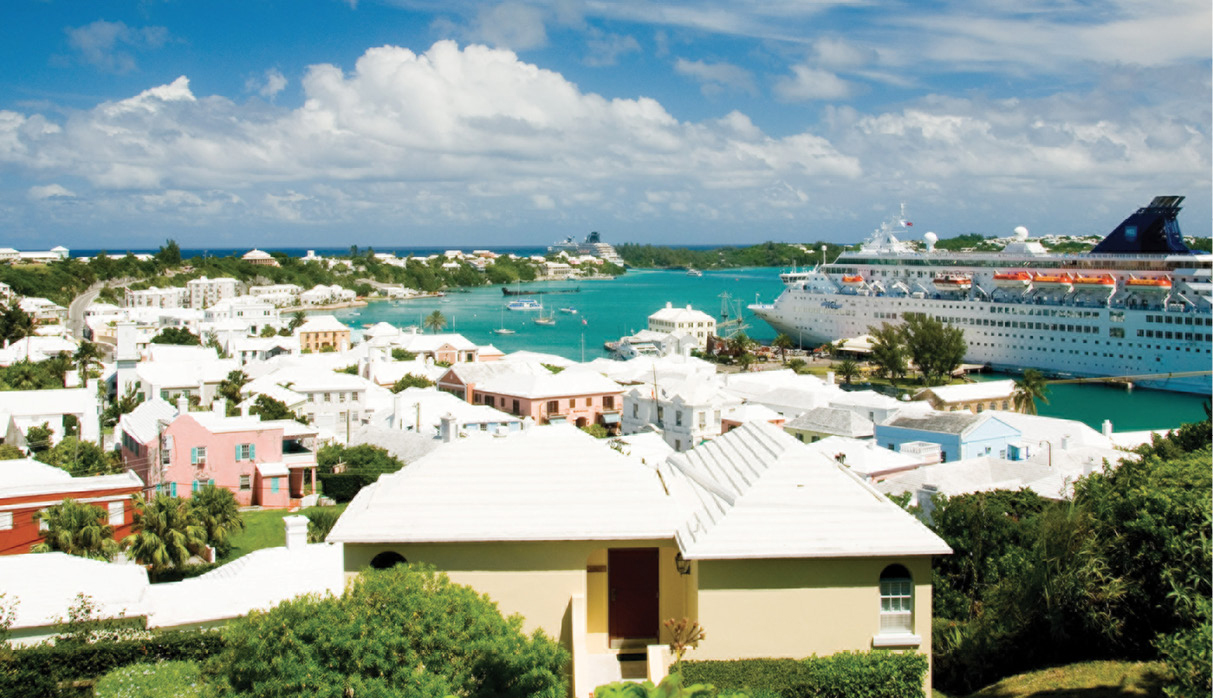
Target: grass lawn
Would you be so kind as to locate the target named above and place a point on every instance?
(263, 529)
(1085, 680)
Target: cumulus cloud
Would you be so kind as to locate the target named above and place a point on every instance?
(808, 83)
(512, 25)
(267, 85)
(715, 78)
(108, 46)
(50, 191)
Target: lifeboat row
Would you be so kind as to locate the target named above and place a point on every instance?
(1021, 280)
(953, 283)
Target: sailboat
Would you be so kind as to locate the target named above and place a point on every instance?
(503, 329)
(544, 319)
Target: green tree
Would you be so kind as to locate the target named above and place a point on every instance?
(740, 344)
(399, 354)
(937, 348)
(122, 404)
(408, 380)
(1030, 388)
(86, 357)
(783, 343)
(889, 352)
(177, 335)
(745, 360)
(230, 389)
(165, 534)
(267, 332)
(169, 254)
(38, 438)
(81, 458)
(435, 321)
(848, 370)
(270, 409)
(320, 520)
(596, 430)
(395, 632)
(78, 529)
(15, 323)
(216, 511)
(10, 452)
(59, 366)
(298, 318)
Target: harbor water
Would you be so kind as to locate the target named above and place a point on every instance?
(607, 310)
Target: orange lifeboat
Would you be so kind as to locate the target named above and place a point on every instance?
(1053, 281)
(1105, 281)
(1155, 285)
(1013, 280)
(953, 282)
(852, 281)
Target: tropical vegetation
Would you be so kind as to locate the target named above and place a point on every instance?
(76, 528)
(165, 534)
(1030, 388)
(215, 509)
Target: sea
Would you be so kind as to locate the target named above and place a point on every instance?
(610, 309)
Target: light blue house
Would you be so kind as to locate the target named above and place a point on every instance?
(960, 435)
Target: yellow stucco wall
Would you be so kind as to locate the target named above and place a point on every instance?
(537, 579)
(799, 607)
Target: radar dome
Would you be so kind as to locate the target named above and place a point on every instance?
(1021, 232)
(931, 238)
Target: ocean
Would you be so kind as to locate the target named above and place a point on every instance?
(607, 310)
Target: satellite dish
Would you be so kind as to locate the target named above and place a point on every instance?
(931, 239)
(1021, 233)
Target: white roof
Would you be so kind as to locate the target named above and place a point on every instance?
(537, 357)
(833, 420)
(756, 492)
(143, 422)
(984, 474)
(864, 456)
(434, 404)
(432, 342)
(322, 323)
(648, 446)
(545, 483)
(257, 581)
(407, 446)
(967, 392)
(48, 402)
(257, 254)
(184, 374)
(671, 314)
(549, 385)
(180, 352)
(46, 584)
(272, 469)
(477, 372)
(753, 413)
(1039, 428)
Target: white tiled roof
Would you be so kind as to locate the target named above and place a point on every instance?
(756, 492)
(47, 584)
(967, 392)
(864, 457)
(833, 420)
(551, 385)
(322, 323)
(546, 483)
(143, 422)
(40, 402)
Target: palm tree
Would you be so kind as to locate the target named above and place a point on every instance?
(79, 529)
(1028, 390)
(297, 318)
(745, 361)
(165, 534)
(87, 355)
(848, 369)
(59, 366)
(740, 344)
(216, 510)
(783, 343)
(435, 321)
(229, 388)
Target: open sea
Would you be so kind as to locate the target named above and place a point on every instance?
(607, 310)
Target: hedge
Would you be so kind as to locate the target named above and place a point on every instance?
(841, 675)
(341, 486)
(37, 671)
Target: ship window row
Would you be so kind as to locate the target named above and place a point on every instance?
(1120, 264)
(1189, 336)
(1170, 319)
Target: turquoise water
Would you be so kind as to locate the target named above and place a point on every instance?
(611, 309)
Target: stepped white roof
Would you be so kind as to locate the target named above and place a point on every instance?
(322, 323)
(756, 492)
(864, 457)
(549, 385)
(143, 422)
(833, 420)
(545, 483)
(47, 585)
(968, 392)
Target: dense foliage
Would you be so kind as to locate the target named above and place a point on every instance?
(77, 528)
(842, 675)
(81, 458)
(179, 679)
(177, 335)
(165, 534)
(29, 375)
(409, 380)
(361, 465)
(403, 631)
(216, 511)
(269, 409)
(767, 254)
(1122, 571)
(670, 687)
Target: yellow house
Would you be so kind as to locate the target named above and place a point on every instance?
(776, 550)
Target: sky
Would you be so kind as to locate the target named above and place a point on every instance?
(296, 123)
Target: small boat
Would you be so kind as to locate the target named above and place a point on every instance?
(547, 320)
(1053, 281)
(1155, 285)
(569, 310)
(1013, 280)
(852, 280)
(503, 330)
(953, 282)
(1105, 281)
(691, 271)
(524, 304)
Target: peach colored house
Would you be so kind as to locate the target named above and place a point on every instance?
(322, 331)
(579, 398)
(270, 464)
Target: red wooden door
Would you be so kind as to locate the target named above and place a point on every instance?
(633, 589)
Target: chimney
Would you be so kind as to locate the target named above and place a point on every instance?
(296, 532)
(183, 404)
(219, 406)
(1107, 428)
(829, 378)
(669, 304)
(1065, 442)
(447, 429)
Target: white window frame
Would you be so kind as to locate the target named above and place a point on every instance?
(117, 513)
(6, 520)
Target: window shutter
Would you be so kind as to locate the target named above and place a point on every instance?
(193, 456)
(252, 451)
(172, 489)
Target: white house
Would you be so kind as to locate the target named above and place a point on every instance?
(687, 320)
(155, 297)
(22, 409)
(422, 410)
(204, 292)
(686, 412)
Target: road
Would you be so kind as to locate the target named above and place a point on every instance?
(75, 309)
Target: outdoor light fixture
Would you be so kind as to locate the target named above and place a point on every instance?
(683, 565)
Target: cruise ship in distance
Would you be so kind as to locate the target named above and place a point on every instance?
(593, 245)
(1138, 305)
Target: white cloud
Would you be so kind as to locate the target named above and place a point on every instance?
(512, 25)
(543, 201)
(605, 49)
(268, 85)
(107, 45)
(806, 83)
(50, 191)
(715, 78)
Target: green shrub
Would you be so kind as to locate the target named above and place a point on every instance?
(842, 675)
(37, 671)
(177, 679)
(403, 631)
(341, 487)
(670, 687)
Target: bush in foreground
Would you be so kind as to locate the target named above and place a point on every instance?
(841, 675)
(406, 631)
(177, 679)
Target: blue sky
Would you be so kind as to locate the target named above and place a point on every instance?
(414, 122)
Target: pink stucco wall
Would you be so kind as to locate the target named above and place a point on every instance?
(571, 407)
(221, 463)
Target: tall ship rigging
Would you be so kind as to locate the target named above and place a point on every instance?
(1137, 306)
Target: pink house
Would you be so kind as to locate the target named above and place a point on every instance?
(270, 464)
(579, 398)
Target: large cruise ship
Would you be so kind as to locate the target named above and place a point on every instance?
(1136, 306)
